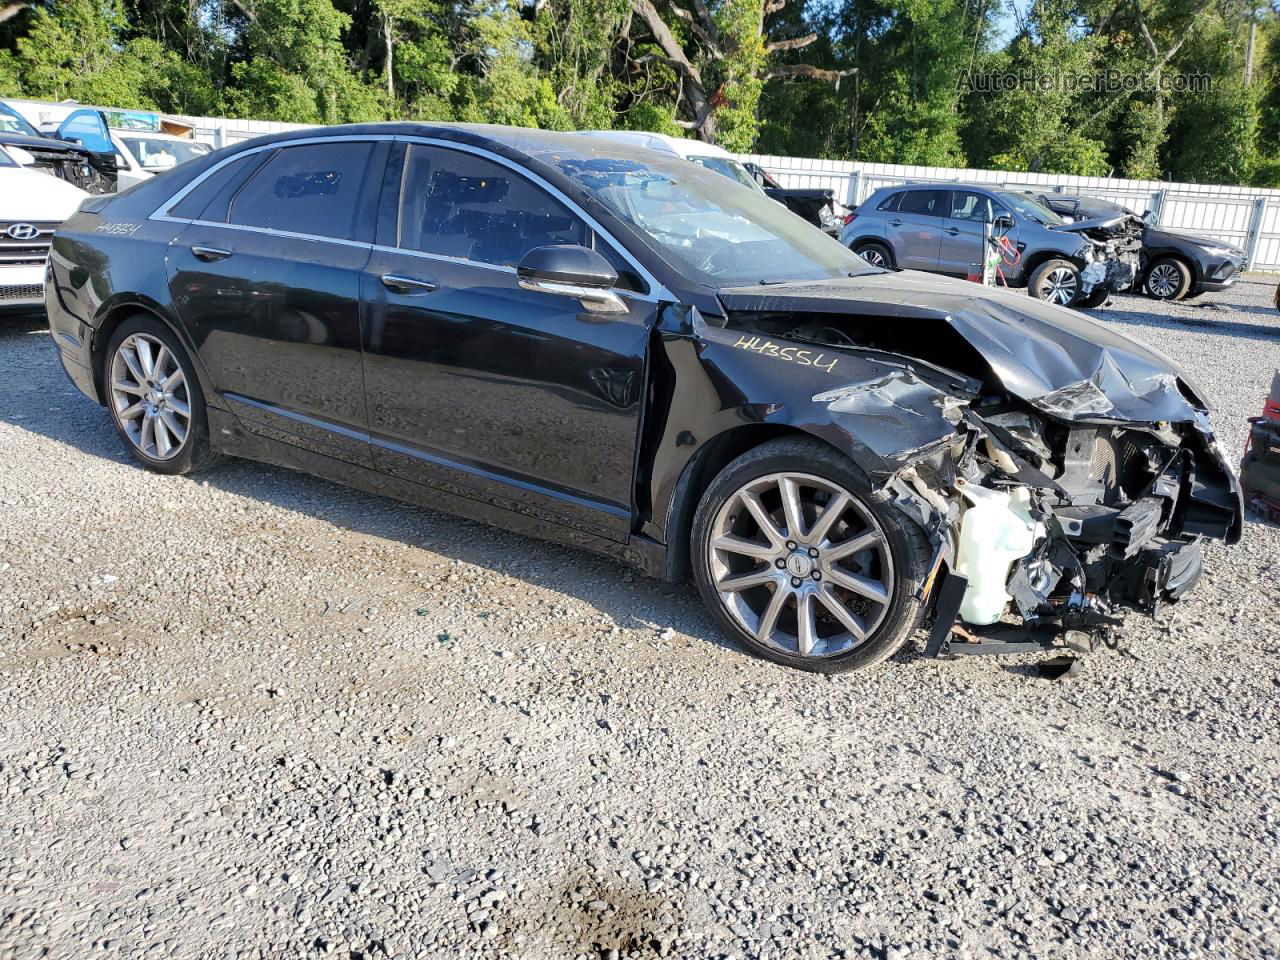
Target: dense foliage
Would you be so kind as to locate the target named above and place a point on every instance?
(905, 81)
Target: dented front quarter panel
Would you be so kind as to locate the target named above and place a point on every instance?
(878, 412)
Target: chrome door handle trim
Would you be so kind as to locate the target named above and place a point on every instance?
(210, 253)
(593, 299)
(408, 285)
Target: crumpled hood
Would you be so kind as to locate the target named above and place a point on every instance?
(1097, 223)
(1060, 361)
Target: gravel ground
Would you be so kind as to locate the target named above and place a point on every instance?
(260, 715)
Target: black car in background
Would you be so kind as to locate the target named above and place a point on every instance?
(815, 204)
(618, 349)
(1175, 266)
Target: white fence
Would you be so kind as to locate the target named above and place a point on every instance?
(1245, 217)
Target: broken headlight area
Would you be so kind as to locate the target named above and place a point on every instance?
(1046, 530)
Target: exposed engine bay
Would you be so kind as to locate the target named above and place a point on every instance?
(1049, 506)
(1110, 248)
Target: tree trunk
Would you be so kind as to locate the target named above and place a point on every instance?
(390, 42)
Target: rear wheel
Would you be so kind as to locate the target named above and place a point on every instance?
(799, 562)
(876, 254)
(1168, 279)
(1056, 281)
(154, 398)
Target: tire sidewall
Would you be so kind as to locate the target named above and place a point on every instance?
(197, 441)
(904, 612)
(1184, 275)
(882, 248)
(1038, 274)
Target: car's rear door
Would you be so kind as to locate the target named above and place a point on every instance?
(519, 398)
(266, 279)
(915, 228)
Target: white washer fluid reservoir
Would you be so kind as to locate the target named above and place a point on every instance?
(995, 530)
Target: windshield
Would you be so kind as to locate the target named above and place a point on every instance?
(13, 122)
(163, 154)
(1026, 207)
(715, 232)
(728, 167)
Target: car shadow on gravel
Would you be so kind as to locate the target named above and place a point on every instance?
(46, 403)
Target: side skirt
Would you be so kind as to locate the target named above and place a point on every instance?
(229, 437)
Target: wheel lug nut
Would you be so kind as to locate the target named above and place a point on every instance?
(817, 575)
(813, 551)
(795, 581)
(791, 544)
(779, 563)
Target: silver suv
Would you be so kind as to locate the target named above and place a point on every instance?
(944, 228)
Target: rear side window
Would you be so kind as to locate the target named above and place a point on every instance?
(209, 199)
(926, 203)
(313, 189)
(891, 202)
(455, 204)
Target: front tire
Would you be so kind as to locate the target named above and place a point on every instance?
(154, 398)
(1168, 279)
(1056, 281)
(801, 563)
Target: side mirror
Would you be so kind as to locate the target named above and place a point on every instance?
(1002, 222)
(569, 270)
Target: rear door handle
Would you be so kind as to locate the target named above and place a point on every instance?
(895, 223)
(210, 254)
(409, 285)
(951, 230)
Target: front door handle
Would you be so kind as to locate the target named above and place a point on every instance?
(409, 285)
(895, 223)
(210, 254)
(951, 230)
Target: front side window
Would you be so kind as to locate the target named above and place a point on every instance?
(456, 204)
(967, 205)
(313, 189)
(924, 203)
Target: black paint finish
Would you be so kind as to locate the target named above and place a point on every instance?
(441, 380)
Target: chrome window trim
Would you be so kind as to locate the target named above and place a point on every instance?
(655, 291)
(161, 212)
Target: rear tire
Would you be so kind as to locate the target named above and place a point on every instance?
(154, 398)
(1167, 279)
(876, 254)
(821, 592)
(1056, 281)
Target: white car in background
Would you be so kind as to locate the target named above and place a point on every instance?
(142, 154)
(704, 154)
(32, 205)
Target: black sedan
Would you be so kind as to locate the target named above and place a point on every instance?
(614, 348)
(1174, 266)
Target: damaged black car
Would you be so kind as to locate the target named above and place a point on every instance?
(616, 349)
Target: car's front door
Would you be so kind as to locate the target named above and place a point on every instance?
(915, 228)
(88, 128)
(266, 279)
(482, 388)
(964, 234)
